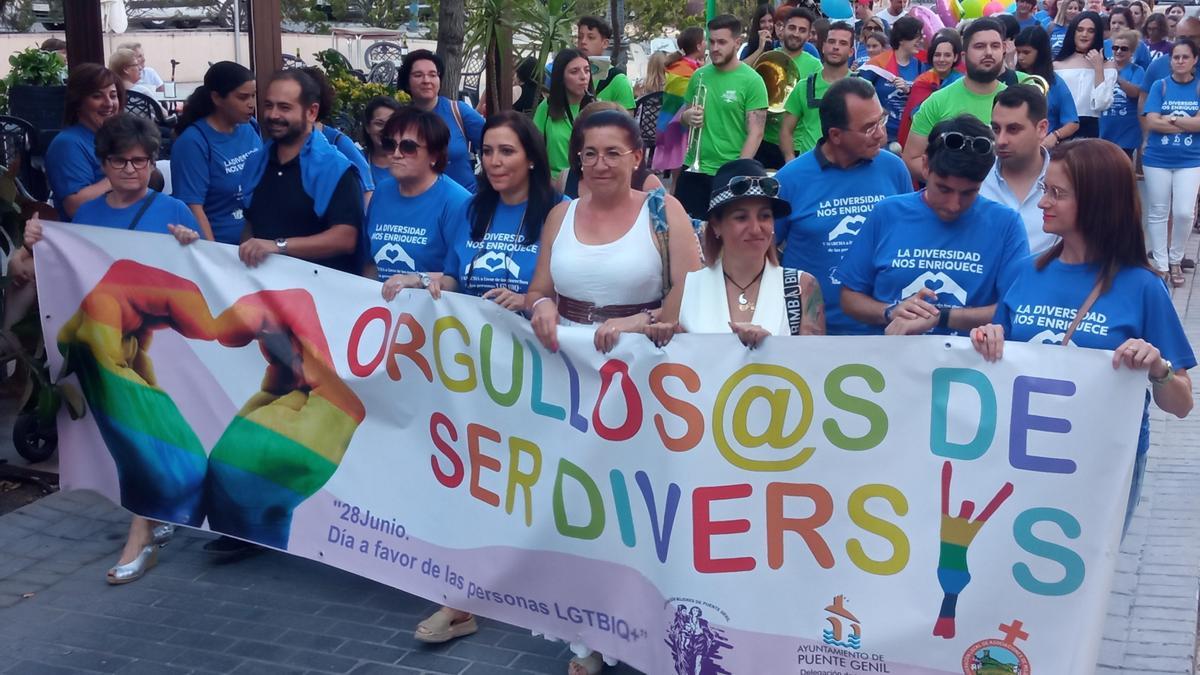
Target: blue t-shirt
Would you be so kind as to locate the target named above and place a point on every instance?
(459, 167)
(1031, 21)
(1119, 124)
(1173, 151)
(1057, 35)
(1060, 105)
(71, 164)
(378, 175)
(412, 234)
(829, 205)
(893, 100)
(903, 247)
(1044, 18)
(206, 169)
(500, 260)
(1141, 55)
(1040, 306)
(165, 210)
(351, 152)
(1158, 69)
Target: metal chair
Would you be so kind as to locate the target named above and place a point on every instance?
(646, 114)
(290, 61)
(139, 104)
(472, 73)
(382, 52)
(383, 72)
(18, 138)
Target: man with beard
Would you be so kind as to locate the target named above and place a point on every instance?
(302, 197)
(796, 32)
(983, 49)
(801, 125)
(834, 187)
(730, 115)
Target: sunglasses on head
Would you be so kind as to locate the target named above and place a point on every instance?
(406, 146)
(740, 185)
(958, 141)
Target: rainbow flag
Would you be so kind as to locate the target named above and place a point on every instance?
(678, 76)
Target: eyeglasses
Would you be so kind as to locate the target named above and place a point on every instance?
(119, 163)
(589, 157)
(872, 127)
(958, 141)
(740, 185)
(406, 147)
(1118, 49)
(1055, 194)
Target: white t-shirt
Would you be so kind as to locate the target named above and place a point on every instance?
(886, 15)
(150, 78)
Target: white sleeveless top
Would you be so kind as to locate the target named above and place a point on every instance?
(627, 271)
(706, 310)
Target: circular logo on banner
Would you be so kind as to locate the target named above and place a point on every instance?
(996, 656)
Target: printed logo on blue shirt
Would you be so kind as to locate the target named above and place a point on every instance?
(393, 254)
(1054, 320)
(937, 262)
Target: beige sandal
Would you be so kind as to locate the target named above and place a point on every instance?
(443, 626)
(1176, 276)
(591, 664)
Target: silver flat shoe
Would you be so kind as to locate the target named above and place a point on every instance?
(136, 569)
(163, 534)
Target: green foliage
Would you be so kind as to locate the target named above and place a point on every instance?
(545, 27)
(36, 67)
(352, 93)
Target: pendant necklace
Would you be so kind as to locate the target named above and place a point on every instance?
(743, 303)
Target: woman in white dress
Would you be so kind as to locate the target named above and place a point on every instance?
(1091, 79)
(743, 289)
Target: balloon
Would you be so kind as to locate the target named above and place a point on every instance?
(930, 21)
(993, 7)
(945, 13)
(957, 8)
(972, 9)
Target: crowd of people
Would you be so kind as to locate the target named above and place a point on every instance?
(979, 180)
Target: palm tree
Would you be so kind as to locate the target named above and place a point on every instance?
(451, 28)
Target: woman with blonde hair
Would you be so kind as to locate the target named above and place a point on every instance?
(656, 74)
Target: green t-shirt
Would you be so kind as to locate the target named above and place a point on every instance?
(952, 101)
(806, 64)
(808, 119)
(730, 96)
(557, 133)
(619, 91)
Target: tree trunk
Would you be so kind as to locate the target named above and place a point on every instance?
(498, 68)
(617, 17)
(451, 28)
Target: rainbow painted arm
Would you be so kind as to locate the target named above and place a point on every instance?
(957, 533)
(289, 438)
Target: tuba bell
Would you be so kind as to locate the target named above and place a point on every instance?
(1037, 82)
(779, 73)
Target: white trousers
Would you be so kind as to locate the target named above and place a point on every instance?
(1170, 193)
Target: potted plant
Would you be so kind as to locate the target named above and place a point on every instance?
(35, 87)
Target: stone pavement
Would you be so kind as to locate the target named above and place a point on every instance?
(273, 613)
(1151, 625)
(265, 615)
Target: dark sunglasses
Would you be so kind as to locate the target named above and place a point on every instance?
(1117, 48)
(958, 141)
(740, 185)
(406, 146)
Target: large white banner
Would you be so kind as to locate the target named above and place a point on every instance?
(818, 505)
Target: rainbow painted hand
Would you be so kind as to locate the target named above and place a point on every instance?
(160, 461)
(289, 438)
(283, 445)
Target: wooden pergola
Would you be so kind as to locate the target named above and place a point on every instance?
(85, 34)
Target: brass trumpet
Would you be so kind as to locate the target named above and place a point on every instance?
(694, 133)
(779, 73)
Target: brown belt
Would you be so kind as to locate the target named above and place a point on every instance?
(586, 312)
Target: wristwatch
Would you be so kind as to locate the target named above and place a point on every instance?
(281, 245)
(424, 279)
(1160, 381)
